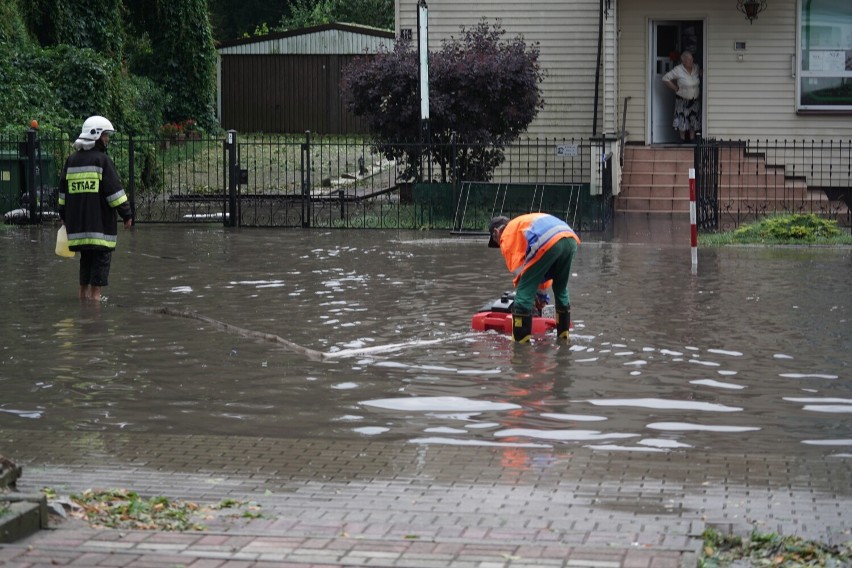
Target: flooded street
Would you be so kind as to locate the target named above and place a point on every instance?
(752, 352)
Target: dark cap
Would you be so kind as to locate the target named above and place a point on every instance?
(496, 223)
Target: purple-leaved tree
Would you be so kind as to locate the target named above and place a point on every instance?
(484, 92)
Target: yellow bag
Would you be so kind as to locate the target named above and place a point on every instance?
(62, 243)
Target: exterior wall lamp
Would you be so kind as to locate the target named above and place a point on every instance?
(751, 8)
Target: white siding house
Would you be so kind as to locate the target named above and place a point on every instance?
(752, 69)
(776, 95)
(567, 33)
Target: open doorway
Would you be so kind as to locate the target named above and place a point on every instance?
(668, 39)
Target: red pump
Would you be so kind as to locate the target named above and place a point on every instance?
(498, 316)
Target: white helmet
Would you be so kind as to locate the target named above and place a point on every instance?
(94, 127)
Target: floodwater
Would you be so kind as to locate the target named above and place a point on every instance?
(754, 350)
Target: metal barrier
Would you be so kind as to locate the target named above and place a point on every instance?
(739, 181)
(477, 202)
(319, 181)
(707, 184)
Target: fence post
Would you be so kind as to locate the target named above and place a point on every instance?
(454, 169)
(692, 218)
(231, 219)
(306, 181)
(131, 174)
(32, 196)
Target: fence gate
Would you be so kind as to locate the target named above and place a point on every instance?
(707, 184)
(271, 184)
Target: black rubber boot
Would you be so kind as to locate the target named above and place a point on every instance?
(522, 327)
(563, 322)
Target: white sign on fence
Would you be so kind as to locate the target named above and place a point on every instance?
(567, 150)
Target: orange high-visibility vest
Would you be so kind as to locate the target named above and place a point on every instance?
(526, 238)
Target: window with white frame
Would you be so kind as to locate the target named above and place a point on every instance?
(825, 55)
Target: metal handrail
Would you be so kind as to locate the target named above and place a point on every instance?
(622, 133)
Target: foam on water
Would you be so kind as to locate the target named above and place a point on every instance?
(807, 376)
(349, 418)
(573, 417)
(827, 400)
(716, 384)
(259, 283)
(665, 404)
(391, 347)
(484, 443)
(439, 404)
(371, 430)
(23, 413)
(685, 427)
(832, 408)
(725, 352)
(562, 435)
(706, 363)
(662, 443)
(617, 448)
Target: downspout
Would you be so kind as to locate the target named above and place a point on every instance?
(598, 69)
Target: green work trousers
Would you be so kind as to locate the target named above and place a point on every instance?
(555, 264)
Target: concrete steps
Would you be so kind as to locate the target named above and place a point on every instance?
(655, 180)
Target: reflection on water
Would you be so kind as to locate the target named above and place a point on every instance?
(753, 351)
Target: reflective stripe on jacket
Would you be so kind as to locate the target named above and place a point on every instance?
(526, 238)
(90, 194)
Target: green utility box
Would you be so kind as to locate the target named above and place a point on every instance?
(13, 180)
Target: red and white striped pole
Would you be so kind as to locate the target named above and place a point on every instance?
(693, 217)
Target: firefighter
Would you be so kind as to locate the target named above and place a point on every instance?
(538, 249)
(90, 195)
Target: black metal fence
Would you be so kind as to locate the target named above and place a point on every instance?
(330, 181)
(314, 181)
(29, 170)
(739, 181)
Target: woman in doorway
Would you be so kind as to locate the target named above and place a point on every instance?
(685, 81)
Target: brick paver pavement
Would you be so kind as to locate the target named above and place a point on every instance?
(396, 504)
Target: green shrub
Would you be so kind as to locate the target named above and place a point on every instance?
(12, 28)
(85, 81)
(799, 227)
(25, 92)
(64, 60)
(182, 43)
(142, 105)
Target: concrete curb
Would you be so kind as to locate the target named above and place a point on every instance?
(28, 514)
